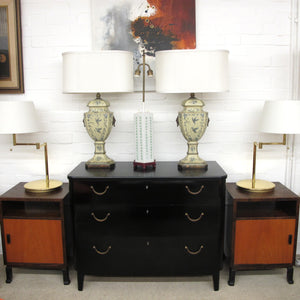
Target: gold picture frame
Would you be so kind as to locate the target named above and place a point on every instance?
(11, 60)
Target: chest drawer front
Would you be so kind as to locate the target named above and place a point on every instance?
(148, 220)
(111, 255)
(104, 192)
(83, 192)
(183, 220)
(188, 255)
(147, 256)
(118, 219)
(198, 192)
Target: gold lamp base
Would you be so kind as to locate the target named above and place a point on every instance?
(41, 186)
(260, 186)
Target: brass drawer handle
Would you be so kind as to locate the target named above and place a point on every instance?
(194, 193)
(194, 220)
(100, 220)
(99, 193)
(193, 253)
(100, 252)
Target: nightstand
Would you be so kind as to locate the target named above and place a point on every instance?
(261, 229)
(33, 230)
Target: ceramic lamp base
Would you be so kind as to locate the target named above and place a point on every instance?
(193, 122)
(260, 185)
(192, 159)
(98, 122)
(40, 186)
(100, 161)
(192, 162)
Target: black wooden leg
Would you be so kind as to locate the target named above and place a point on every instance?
(216, 279)
(80, 278)
(231, 279)
(66, 277)
(9, 274)
(290, 273)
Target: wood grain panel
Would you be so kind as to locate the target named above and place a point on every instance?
(33, 241)
(264, 241)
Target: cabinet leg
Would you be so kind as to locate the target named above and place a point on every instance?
(216, 279)
(290, 274)
(66, 277)
(80, 278)
(9, 274)
(231, 279)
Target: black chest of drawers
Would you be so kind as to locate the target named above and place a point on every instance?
(162, 222)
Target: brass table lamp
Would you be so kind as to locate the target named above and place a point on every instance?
(279, 117)
(95, 72)
(20, 117)
(192, 71)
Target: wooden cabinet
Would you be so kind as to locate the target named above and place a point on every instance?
(161, 222)
(33, 230)
(262, 229)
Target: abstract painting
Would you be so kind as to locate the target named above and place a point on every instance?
(11, 64)
(139, 25)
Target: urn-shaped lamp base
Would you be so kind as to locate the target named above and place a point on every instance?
(193, 122)
(98, 122)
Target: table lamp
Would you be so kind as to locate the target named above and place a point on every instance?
(192, 71)
(94, 72)
(279, 117)
(20, 117)
(144, 158)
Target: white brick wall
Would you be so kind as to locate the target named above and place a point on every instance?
(257, 34)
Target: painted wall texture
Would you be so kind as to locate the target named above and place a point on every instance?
(257, 34)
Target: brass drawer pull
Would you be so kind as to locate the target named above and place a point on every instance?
(99, 193)
(194, 193)
(100, 220)
(102, 253)
(194, 220)
(193, 253)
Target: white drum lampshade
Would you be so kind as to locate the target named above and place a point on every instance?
(281, 117)
(191, 71)
(98, 72)
(18, 117)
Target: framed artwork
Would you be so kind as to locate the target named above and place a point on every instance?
(11, 62)
(139, 25)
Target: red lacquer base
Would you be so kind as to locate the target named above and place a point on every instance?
(137, 166)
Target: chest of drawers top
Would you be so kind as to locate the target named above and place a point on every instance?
(164, 171)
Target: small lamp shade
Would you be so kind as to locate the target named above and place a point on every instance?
(191, 71)
(18, 117)
(282, 117)
(98, 71)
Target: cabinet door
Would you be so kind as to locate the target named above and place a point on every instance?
(33, 241)
(264, 241)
